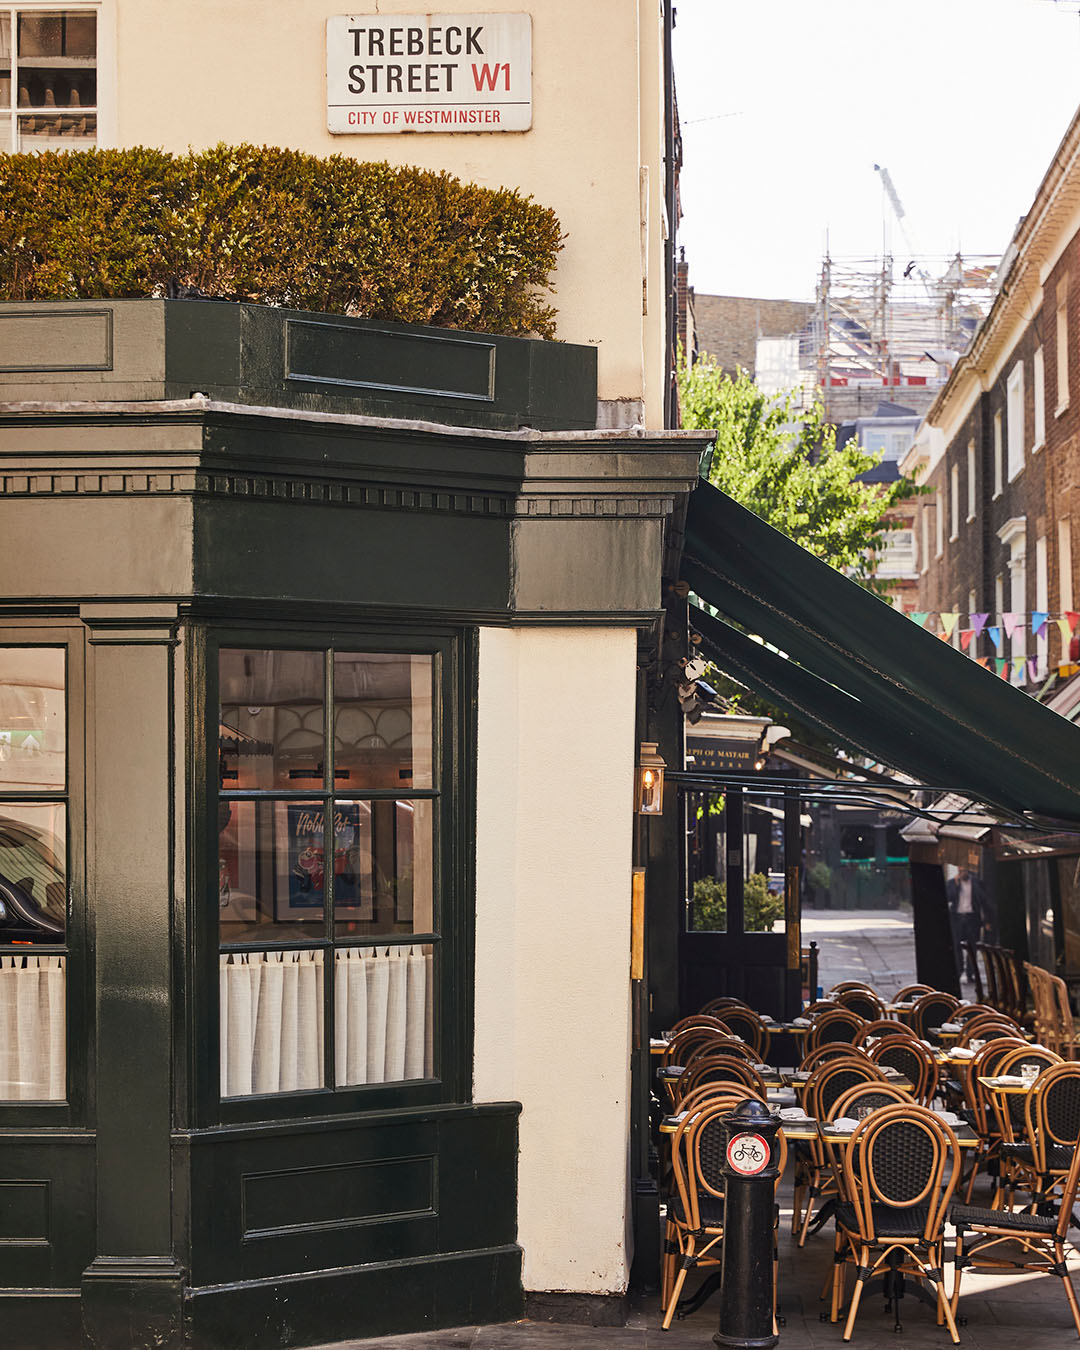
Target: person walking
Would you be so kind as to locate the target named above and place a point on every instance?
(967, 917)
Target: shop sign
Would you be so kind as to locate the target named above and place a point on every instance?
(713, 755)
(428, 72)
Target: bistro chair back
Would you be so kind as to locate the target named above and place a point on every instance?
(912, 1059)
(911, 992)
(1010, 1110)
(697, 1020)
(844, 986)
(979, 1106)
(830, 1050)
(716, 1006)
(874, 1095)
(682, 1046)
(1053, 1013)
(988, 1027)
(882, 1027)
(822, 1005)
(967, 1011)
(717, 1069)
(747, 1024)
(931, 1010)
(1052, 1122)
(837, 1025)
(863, 1003)
(815, 1179)
(900, 1172)
(1034, 1243)
(707, 1092)
(992, 994)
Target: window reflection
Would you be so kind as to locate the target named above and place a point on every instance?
(32, 727)
(271, 722)
(382, 720)
(271, 870)
(33, 880)
(393, 867)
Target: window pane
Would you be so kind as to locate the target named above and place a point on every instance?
(383, 1004)
(33, 1028)
(384, 868)
(33, 872)
(271, 877)
(32, 718)
(382, 731)
(271, 723)
(271, 1022)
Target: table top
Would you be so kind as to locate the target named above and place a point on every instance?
(1011, 1084)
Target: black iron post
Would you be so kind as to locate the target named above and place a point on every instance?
(750, 1170)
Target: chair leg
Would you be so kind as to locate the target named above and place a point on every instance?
(812, 1192)
(680, 1280)
(861, 1276)
(1070, 1292)
(838, 1281)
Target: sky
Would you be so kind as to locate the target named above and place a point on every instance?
(787, 105)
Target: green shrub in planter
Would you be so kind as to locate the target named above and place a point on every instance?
(761, 908)
(258, 223)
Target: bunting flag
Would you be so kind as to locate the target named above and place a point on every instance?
(1012, 621)
(1002, 666)
(920, 616)
(1039, 619)
(978, 622)
(1019, 666)
(984, 661)
(995, 637)
(949, 622)
(1065, 628)
(966, 634)
(1073, 617)
(1033, 668)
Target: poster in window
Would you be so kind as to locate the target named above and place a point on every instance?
(302, 862)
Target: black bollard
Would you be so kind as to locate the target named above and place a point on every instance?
(750, 1169)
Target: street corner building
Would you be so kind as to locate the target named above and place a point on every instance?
(317, 746)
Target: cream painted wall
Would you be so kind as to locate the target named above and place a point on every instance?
(209, 70)
(554, 785)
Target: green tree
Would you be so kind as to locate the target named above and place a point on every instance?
(785, 466)
(761, 908)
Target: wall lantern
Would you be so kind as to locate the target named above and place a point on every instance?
(649, 791)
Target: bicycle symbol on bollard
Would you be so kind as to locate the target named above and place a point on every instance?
(748, 1154)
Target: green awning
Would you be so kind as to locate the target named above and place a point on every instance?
(867, 675)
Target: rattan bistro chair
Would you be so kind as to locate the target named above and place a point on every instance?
(695, 1215)
(863, 1003)
(719, 1069)
(900, 1171)
(931, 1010)
(1033, 1243)
(912, 1059)
(881, 1028)
(836, 1025)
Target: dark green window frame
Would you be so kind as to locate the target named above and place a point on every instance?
(78, 1104)
(453, 722)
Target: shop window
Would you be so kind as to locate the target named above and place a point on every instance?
(328, 826)
(48, 78)
(33, 874)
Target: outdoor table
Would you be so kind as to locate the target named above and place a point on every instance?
(772, 1078)
(807, 1129)
(797, 1078)
(1008, 1084)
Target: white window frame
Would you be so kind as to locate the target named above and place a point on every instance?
(954, 503)
(1038, 378)
(1062, 342)
(105, 43)
(971, 482)
(1065, 574)
(999, 455)
(939, 523)
(1014, 409)
(924, 516)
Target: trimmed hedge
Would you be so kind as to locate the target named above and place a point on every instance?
(278, 227)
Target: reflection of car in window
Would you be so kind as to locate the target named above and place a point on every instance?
(33, 894)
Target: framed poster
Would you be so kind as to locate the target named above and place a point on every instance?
(302, 858)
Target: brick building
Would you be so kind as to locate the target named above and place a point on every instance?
(996, 534)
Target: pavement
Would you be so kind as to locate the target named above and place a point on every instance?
(1002, 1311)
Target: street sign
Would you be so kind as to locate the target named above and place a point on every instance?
(428, 72)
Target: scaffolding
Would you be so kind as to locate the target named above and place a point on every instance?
(884, 332)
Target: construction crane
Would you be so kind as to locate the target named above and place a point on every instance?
(888, 187)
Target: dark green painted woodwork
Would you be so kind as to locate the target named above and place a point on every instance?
(255, 354)
(47, 1192)
(41, 1319)
(441, 1291)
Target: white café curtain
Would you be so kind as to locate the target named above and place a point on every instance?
(272, 1019)
(33, 1028)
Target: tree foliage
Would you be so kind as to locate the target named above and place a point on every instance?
(280, 227)
(761, 908)
(785, 466)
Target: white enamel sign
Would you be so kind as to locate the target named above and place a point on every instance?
(428, 72)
